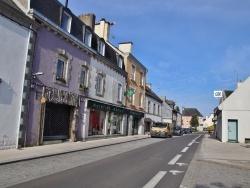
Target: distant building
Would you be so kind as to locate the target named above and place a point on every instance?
(208, 121)
(187, 114)
(152, 109)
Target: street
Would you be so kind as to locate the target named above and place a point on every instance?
(152, 162)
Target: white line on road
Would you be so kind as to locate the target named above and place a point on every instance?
(185, 149)
(174, 160)
(190, 144)
(152, 183)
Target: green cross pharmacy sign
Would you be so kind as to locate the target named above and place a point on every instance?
(129, 92)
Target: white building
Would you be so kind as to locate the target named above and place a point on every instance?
(152, 109)
(15, 67)
(208, 121)
(233, 114)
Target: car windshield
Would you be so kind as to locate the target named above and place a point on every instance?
(177, 128)
(160, 125)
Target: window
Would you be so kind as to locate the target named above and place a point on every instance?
(132, 97)
(133, 73)
(62, 67)
(119, 93)
(83, 84)
(60, 72)
(100, 82)
(87, 38)
(154, 109)
(101, 48)
(66, 22)
(158, 109)
(148, 106)
(120, 62)
(141, 78)
(140, 100)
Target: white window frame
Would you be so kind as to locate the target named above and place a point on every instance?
(154, 109)
(133, 72)
(83, 83)
(99, 84)
(101, 48)
(149, 104)
(68, 27)
(62, 71)
(141, 100)
(87, 38)
(119, 93)
(132, 97)
(141, 78)
(120, 62)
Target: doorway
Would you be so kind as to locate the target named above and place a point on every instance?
(232, 130)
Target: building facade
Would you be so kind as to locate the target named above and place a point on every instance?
(152, 109)
(16, 54)
(187, 114)
(232, 115)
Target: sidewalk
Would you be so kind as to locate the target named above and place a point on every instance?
(15, 155)
(218, 164)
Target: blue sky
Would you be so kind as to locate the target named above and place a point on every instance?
(190, 47)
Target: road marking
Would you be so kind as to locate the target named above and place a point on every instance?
(152, 183)
(174, 160)
(181, 164)
(185, 149)
(190, 144)
(175, 172)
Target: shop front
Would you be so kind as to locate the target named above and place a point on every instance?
(59, 110)
(109, 120)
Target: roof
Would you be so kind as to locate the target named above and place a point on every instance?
(226, 94)
(191, 112)
(150, 93)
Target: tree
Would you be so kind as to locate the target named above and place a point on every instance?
(194, 121)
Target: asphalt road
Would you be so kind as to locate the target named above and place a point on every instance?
(161, 164)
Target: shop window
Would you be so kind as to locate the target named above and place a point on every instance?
(66, 22)
(62, 67)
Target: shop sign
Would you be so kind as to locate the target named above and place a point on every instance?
(60, 97)
(118, 110)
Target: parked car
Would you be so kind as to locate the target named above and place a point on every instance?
(162, 129)
(177, 130)
(187, 131)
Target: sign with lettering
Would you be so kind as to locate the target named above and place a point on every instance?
(217, 94)
(60, 97)
(105, 107)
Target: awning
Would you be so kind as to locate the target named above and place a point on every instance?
(148, 120)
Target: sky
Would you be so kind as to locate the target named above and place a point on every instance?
(191, 48)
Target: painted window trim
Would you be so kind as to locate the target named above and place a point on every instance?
(101, 48)
(133, 75)
(88, 43)
(66, 74)
(102, 75)
(83, 65)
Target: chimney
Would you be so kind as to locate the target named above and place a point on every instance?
(239, 84)
(102, 29)
(88, 19)
(24, 5)
(126, 47)
(149, 85)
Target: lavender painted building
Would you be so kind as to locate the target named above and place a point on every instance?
(74, 72)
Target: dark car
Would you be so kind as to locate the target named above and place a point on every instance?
(187, 131)
(177, 130)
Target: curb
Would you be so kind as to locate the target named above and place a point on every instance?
(66, 152)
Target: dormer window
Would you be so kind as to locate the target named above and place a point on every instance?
(101, 48)
(66, 22)
(87, 38)
(120, 62)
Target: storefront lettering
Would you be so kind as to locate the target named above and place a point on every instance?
(60, 97)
